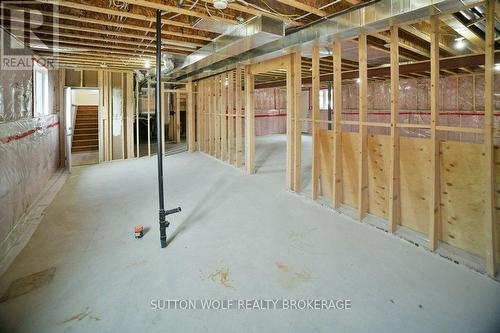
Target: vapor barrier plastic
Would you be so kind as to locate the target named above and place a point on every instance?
(16, 88)
(29, 156)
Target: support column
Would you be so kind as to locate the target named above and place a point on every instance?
(239, 132)
(315, 123)
(223, 118)
(290, 76)
(190, 117)
(363, 129)
(297, 114)
(231, 118)
(490, 213)
(435, 215)
(394, 185)
(249, 122)
(337, 127)
(177, 121)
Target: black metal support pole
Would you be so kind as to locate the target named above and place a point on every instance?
(330, 104)
(159, 141)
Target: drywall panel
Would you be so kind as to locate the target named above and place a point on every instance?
(326, 163)
(415, 166)
(350, 170)
(463, 187)
(379, 153)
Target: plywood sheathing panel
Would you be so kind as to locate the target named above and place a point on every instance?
(378, 174)
(350, 170)
(415, 183)
(462, 192)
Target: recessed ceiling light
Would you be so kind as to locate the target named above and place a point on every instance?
(147, 64)
(459, 43)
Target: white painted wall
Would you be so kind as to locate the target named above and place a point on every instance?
(85, 97)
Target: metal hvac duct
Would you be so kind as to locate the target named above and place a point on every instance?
(344, 25)
(256, 32)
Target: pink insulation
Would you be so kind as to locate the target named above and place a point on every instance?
(270, 111)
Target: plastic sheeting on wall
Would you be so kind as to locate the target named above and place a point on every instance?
(461, 104)
(16, 88)
(29, 156)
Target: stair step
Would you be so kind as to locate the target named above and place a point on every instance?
(78, 137)
(84, 148)
(85, 126)
(85, 131)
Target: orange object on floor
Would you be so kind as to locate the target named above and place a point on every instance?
(139, 231)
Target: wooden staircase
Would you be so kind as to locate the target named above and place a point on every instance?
(85, 134)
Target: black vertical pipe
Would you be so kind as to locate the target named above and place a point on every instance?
(329, 104)
(159, 138)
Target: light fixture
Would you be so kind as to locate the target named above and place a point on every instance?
(459, 43)
(147, 64)
(358, 80)
(226, 82)
(103, 65)
(220, 4)
(497, 67)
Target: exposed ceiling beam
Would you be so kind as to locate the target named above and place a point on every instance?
(304, 7)
(476, 44)
(178, 10)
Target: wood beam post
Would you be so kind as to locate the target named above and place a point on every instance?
(394, 178)
(315, 123)
(290, 76)
(337, 127)
(249, 122)
(435, 215)
(223, 110)
(218, 107)
(239, 133)
(363, 128)
(190, 117)
(489, 85)
(177, 121)
(62, 118)
(297, 114)
(231, 118)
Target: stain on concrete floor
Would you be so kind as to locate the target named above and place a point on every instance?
(27, 284)
(222, 276)
(290, 278)
(87, 313)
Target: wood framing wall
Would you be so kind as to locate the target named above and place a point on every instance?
(442, 189)
(116, 108)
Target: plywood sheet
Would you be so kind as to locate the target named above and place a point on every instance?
(379, 154)
(326, 162)
(415, 166)
(350, 169)
(463, 182)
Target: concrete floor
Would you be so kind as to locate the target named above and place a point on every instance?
(238, 237)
